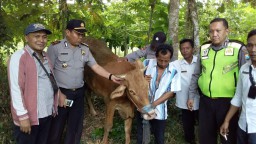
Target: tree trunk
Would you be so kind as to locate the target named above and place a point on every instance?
(194, 19)
(152, 4)
(125, 35)
(173, 27)
(64, 18)
(188, 23)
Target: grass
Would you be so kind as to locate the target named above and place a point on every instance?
(93, 128)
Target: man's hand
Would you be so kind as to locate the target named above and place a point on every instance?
(224, 129)
(150, 115)
(62, 99)
(25, 126)
(190, 104)
(116, 79)
(148, 78)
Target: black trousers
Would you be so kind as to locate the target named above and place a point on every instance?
(157, 128)
(38, 135)
(188, 122)
(72, 116)
(212, 113)
(245, 138)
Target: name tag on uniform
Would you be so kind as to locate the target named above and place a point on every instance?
(183, 71)
(245, 72)
(229, 51)
(63, 53)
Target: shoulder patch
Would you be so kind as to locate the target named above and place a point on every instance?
(237, 41)
(55, 42)
(82, 43)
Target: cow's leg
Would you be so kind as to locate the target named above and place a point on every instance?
(110, 107)
(128, 128)
(126, 111)
(89, 101)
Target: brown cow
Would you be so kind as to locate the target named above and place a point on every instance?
(133, 91)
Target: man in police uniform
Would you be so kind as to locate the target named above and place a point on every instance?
(216, 75)
(69, 57)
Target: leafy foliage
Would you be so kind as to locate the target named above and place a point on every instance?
(121, 24)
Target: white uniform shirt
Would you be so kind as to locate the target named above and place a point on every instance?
(170, 81)
(247, 118)
(186, 70)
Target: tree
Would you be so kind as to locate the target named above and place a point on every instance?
(64, 16)
(174, 25)
(192, 13)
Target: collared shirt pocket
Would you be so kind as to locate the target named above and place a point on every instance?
(80, 58)
(64, 59)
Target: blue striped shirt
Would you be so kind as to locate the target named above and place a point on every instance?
(170, 81)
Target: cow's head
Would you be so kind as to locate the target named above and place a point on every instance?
(136, 88)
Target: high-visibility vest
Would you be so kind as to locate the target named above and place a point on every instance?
(219, 70)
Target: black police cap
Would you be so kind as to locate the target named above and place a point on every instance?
(77, 25)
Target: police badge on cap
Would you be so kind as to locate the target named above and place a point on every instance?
(77, 25)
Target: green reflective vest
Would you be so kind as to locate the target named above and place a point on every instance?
(219, 70)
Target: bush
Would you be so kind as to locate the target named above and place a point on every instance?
(5, 113)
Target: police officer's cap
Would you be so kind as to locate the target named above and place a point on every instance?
(36, 27)
(77, 25)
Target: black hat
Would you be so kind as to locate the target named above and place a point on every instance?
(77, 25)
(36, 27)
(159, 37)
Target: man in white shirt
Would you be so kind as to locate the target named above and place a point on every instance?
(189, 108)
(245, 98)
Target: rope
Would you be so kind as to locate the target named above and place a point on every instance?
(146, 132)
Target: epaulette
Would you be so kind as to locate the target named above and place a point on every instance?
(205, 45)
(82, 43)
(55, 42)
(208, 42)
(237, 41)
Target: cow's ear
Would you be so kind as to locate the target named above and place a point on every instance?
(118, 92)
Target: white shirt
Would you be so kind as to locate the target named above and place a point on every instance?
(186, 70)
(170, 81)
(248, 114)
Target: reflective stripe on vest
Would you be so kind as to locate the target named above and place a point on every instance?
(219, 70)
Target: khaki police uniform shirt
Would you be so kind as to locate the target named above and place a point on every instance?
(69, 63)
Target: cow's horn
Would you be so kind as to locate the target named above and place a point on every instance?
(121, 76)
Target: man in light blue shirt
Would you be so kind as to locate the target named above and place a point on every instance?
(189, 108)
(245, 97)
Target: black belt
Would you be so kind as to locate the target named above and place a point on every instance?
(73, 89)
